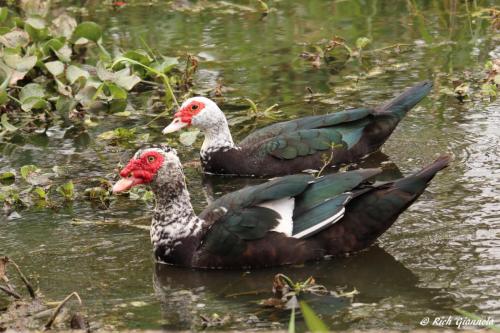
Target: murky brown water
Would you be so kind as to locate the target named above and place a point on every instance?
(444, 252)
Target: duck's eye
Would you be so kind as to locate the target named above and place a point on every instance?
(130, 175)
(151, 159)
(194, 107)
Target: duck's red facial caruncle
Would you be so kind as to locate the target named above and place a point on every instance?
(139, 170)
(184, 116)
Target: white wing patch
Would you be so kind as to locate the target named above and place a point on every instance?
(284, 207)
(323, 224)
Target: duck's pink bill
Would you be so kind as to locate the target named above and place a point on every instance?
(174, 126)
(124, 184)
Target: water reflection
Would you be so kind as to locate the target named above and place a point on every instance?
(185, 294)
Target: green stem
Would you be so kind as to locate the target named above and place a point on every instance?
(152, 70)
(14, 99)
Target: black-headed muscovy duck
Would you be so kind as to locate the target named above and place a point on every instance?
(287, 220)
(297, 145)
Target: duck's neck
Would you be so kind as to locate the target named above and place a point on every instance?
(175, 227)
(217, 138)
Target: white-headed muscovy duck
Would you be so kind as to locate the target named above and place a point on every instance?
(287, 220)
(296, 145)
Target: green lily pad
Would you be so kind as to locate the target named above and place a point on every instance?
(67, 190)
(166, 65)
(65, 104)
(119, 133)
(36, 28)
(139, 55)
(31, 90)
(40, 192)
(89, 30)
(27, 170)
(64, 53)
(64, 25)
(74, 73)
(103, 73)
(86, 96)
(55, 68)
(7, 175)
(117, 106)
(15, 38)
(110, 91)
(116, 91)
(21, 64)
(362, 42)
(64, 89)
(36, 22)
(34, 103)
(124, 79)
(32, 96)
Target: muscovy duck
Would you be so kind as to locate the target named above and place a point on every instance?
(287, 220)
(297, 145)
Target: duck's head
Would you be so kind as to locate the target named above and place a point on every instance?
(199, 112)
(154, 165)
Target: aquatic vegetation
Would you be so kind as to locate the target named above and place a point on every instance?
(34, 187)
(59, 67)
(34, 312)
(291, 295)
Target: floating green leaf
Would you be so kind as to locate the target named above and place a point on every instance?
(489, 90)
(362, 42)
(124, 79)
(63, 25)
(64, 53)
(35, 22)
(65, 104)
(96, 193)
(139, 56)
(36, 28)
(7, 175)
(119, 133)
(31, 90)
(34, 103)
(27, 170)
(67, 190)
(55, 68)
(32, 97)
(15, 38)
(6, 125)
(166, 64)
(42, 194)
(110, 91)
(89, 30)
(21, 64)
(74, 73)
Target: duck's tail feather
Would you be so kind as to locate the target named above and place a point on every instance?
(401, 104)
(416, 183)
(369, 215)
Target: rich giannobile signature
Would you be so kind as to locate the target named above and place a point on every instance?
(457, 321)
